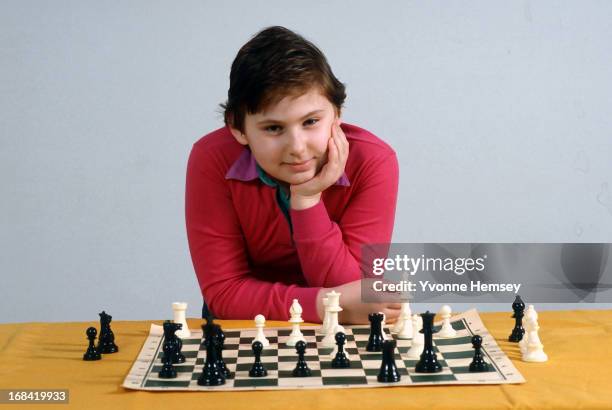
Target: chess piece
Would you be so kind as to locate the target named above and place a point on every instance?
(418, 341)
(178, 311)
(106, 341)
(535, 348)
(388, 370)
(376, 339)
(170, 346)
(260, 323)
(530, 312)
(384, 334)
(301, 368)
(325, 324)
(296, 318)
(519, 308)
(446, 331)
(173, 342)
(428, 362)
(403, 326)
(211, 375)
(340, 361)
(220, 342)
(478, 364)
(258, 369)
(333, 327)
(91, 353)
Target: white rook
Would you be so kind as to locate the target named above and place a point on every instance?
(179, 309)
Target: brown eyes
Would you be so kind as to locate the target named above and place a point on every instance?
(274, 129)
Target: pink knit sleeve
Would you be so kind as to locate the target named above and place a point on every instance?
(330, 252)
(218, 251)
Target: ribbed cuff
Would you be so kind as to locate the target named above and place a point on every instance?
(310, 223)
(307, 297)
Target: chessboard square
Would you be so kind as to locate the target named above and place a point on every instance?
(344, 380)
(289, 366)
(229, 348)
(192, 354)
(411, 363)
(293, 359)
(249, 340)
(456, 348)
(466, 369)
(370, 364)
(431, 378)
(265, 352)
(374, 372)
(191, 341)
(231, 333)
(309, 332)
(255, 382)
(361, 331)
(342, 372)
(228, 360)
(467, 354)
(179, 368)
(166, 383)
(479, 377)
(355, 364)
(246, 367)
(289, 373)
(454, 341)
(457, 325)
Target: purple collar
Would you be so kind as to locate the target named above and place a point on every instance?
(244, 169)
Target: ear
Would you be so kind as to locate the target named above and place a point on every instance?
(239, 136)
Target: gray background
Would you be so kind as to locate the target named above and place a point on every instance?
(499, 113)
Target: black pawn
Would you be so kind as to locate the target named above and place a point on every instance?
(211, 376)
(376, 338)
(519, 311)
(106, 341)
(340, 361)
(428, 362)
(168, 371)
(258, 369)
(478, 364)
(91, 353)
(220, 342)
(301, 368)
(388, 370)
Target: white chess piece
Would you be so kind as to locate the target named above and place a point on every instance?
(333, 306)
(260, 323)
(178, 310)
(447, 329)
(418, 339)
(399, 324)
(325, 324)
(406, 320)
(296, 318)
(530, 312)
(535, 348)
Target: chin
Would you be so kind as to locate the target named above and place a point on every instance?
(300, 178)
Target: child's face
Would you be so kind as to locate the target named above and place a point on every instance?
(289, 140)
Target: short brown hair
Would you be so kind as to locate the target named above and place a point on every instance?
(274, 64)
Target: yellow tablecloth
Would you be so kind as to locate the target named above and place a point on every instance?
(577, 375)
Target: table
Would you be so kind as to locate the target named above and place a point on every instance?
(577, 375)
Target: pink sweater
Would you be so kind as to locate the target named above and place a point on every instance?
(244, 255)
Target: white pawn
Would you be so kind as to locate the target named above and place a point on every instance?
(418, 339)
(296, 318)
(535, 348)
(178, 310)
(406, 320)
(325, 324)
(260, 323)
(447, 329)
(399, 325)
(530, 312)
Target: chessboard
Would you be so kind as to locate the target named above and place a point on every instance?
(455, 355)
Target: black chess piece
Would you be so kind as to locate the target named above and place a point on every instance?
(258, 369)
(106, 341)
(428, 362)
(91, 353)
(168, 371)
(211, 375)
(220, 341)
(519, 311)
(173, 341)
(388, 370)
(340, 361)
(478, 364)
(301, 368)
(376, 338)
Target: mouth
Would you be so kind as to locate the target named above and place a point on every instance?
(300, 166)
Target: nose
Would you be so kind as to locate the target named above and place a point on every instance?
(296, 144)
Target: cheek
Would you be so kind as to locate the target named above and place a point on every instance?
(319, 142)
